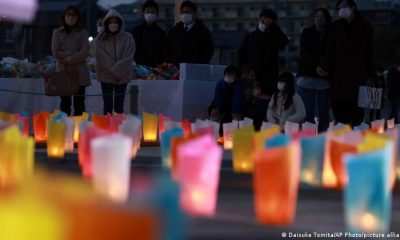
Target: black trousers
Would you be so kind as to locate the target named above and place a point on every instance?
(113, 97)
(79, 102)
(348, 113)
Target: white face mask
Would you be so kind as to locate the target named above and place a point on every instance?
(281, 86)
(71, 21)
(263, 27)
(186, 18)
(150, 17)
(229, 79)
(100, 30)
(113, 27)
(345, 12)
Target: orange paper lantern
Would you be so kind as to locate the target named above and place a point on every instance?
(337, 152)
(40, 127)
(102, 121)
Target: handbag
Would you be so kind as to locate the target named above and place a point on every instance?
(370, 96)
(63, 83)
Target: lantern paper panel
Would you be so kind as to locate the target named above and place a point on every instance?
(112, 166)
(312, 159)
(310, 127)
(116, 120)
(168, 125)
(150, 126)
(246, 122)
(40, 126)
(390, 123)
(8, 117)
(69, 133)
(367, 197)
(276, 182)
(279, 140)
(242, 150)
(25, 124)
(161, 123)
(378, 126)
(56, 139)
(77, 121)
(268, 125)
(166, 140)
(187, 127)
(198, 170)
(362, 127)
(102, 121)
(291, 128)
(132, 127)
(228, 135)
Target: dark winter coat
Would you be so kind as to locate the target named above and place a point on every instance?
(393, 78)
(193, 46)
(229, 97)
(150, 44)
(261, 49)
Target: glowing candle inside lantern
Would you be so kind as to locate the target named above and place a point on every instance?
(77, 121)
(56, 139)
(312, 158)
(39, 126)
(378, 126)
(150, 125)
(228, 135)
(242, 150)
(112, 166)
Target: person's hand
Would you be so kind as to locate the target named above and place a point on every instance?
(237, 117)
(66, 61)
(321, 72)
(215, 113)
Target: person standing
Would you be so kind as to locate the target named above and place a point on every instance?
(393, 79)
(70, 47)
(350, 62)
(189, 41)
(115, 49)
(314, 89)
(260, 49)
(150, 38)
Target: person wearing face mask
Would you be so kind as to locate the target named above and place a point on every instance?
(70, 47)
(286, 104)
(115, 49)
(393, 80)
(228, 98)
(150, 38)
(189, 41)
(350, 62)
(314, 89)
(261, 47)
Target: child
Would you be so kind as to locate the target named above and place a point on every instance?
(248, 81)
(228, 99)
(257, 108)
(285, 104)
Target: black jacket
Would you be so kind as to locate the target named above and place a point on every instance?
(150, 44)
(393, 78)
(312, 51)
(262, 51)
(193, 46)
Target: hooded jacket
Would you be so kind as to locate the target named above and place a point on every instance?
(114, 54)
(75, 47)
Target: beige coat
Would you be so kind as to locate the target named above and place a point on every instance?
(295, 113)
(74, 47)
(114, 54)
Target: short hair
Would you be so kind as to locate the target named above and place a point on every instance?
(189, 4)
(232, 69)
(351, 3)
(150, 4)
(64, 12)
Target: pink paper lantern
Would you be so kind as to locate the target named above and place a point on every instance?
(198, 171)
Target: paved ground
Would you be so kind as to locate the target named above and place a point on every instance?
(318, 210)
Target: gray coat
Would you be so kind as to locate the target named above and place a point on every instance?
(114, 54)
(74, 47)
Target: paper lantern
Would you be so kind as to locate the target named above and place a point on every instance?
(367, 197)
(8, 117)
(25, 124)
(168, 125)
(228, 135)
(55, 139)
(390, 123)
(132, 128)
(312, 159)
(84, 148)
(268, 125)
(303, 133)
(276, 180)
(200, 124)
(309, 127)
(338, 150)
(161, 120)
(69, 133)
(187, 128)
(260, 137)
(378, 126)
(116, 121)
(166, 139)
(40, 127)
(242, 150)
(291, 128)
(279, 140)
(102, 121)
(77, 121)
(112, 166)
(246, 122)
(198, 170)
(362, 127)
(150, 125)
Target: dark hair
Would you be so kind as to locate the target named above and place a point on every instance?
(107, 22)
(234, 70)
(288, 79)
(247, 68)
(189, 4)
(269, 13)
(150, 4)
(351, 3)
(328, 18)
(64, 12)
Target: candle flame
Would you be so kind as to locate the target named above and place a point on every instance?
(197, 196)
(369, 222)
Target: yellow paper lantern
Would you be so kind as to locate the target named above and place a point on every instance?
(242, 150)
(260, 137)
(150, 125)
(9, 117)
(55, 139)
